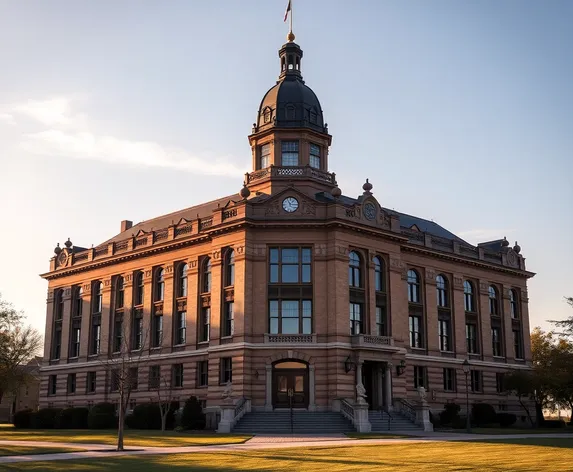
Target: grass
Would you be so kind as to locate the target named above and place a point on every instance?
(518, 430)
(28, 450)
(377, 436)
(539, 456)
(147, 438)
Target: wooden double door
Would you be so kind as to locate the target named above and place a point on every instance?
(290, 387)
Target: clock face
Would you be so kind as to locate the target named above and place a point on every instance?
(369, 211)
(62, 259)
(290, 204)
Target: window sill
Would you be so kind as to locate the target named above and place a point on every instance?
(156, 348)
(202, 386)
(203, 343)
(179, 345)
(227, 337)
(419, 349)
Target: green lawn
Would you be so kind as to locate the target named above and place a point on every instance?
(419, 457)
(27, 450)
(518, 430)
(147, 438)
(377, 436)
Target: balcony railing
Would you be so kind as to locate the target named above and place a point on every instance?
(290, 338)
(368, 340)
(291, 172)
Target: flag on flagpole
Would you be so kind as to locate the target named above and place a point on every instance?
(288, 8)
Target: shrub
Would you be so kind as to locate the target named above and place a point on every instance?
(459, 422)
(450, 414)
(72, 418)
(435, 420)
(483, 414)
(193, 416)
(148, 416)
(506, 420)
(554, 424)
(22, 418)
(102, 416)
(45, 418)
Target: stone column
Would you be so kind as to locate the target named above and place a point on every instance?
(388, 387)
(311, 387)
(269, 388)
(358, 377)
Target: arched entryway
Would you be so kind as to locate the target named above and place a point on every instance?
(290, 384)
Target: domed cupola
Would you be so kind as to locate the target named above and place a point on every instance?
(290, 103)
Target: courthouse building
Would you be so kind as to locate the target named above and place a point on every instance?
(289, 289)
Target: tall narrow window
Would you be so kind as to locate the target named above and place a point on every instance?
(59, 305)
(57, 343)
(496, 341)
(226, 370)
(118, 332)
(469, 296)
(314, 156)
(413, 286)
(57, 330)
(513, 306)
(97, 297)
(177, 375)
(499, 382)
(493, 302)
(182, 280)
(139, 287)
(356, 326)
(154, 376)
(289, 156)
(230, 268)
(97, 306)
(71, 383)
(420, 377)
(52, 384)
(471, 338)
(96, 338)
(78, 293)
(91, 382)
(475, 381)
(449, 379)
(157, 329)
(381, 321)
(159, 286)
(206, 275)
(265, 154)
(229, 319)
(444, 335)
(204, 324)
(442, 291)
(354, 270)
(202, 373)
(379, 282)
(119, 292)
(181, 327)
(415, 328)
(138, 331)
(517, 344)
(75, 339)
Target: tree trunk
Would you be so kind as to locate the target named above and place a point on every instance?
(121, 420)
(539, 419)
(164, 418)
(527, 412)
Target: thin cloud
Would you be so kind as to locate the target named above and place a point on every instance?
(67, 134)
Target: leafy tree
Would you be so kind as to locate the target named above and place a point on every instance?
(19, 343)
(567, 324)
(522, 384)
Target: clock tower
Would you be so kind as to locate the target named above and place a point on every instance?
(290, 139)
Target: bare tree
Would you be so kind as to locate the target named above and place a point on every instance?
(19, 343)
(165, 397)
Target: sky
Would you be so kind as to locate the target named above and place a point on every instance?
(457, 111)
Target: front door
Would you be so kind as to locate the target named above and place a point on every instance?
(290, 388)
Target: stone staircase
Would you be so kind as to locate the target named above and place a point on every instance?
(304, 422)
(379, 421)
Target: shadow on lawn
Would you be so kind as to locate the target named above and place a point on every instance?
(566, 443)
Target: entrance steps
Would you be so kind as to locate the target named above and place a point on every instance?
(304, 422)
(379, 422)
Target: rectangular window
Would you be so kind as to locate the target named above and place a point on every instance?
(204, 324)
(133, 376)
(289, 155)
(154, 376)
(475, 380)
(52, 384)
(177, 375)
(138, 331)
(115, 379)
(57, 347)
(471, 338)
(118, 333)
(181, 327)
(71, 383)
(157, 330)
(91, 382)
(356, 319)
(420, 377)
(75, 339)
(444, 335)
(290, 265)
(96, 337)
(229, 320)
(202, 373)
(290, 316)
(496, 341)
(415, 327)
(499, 382)
(517, 344)
(77, 302)
(381, 322)
(226, 370)
(265, 156)
(314, 156)
(449, 380)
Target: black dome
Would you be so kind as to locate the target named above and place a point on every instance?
(290, 103)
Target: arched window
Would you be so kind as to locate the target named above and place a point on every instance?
(379, 281)
(78, 302)
(413, 286)
(354, 270)
(119, 292)
(206, 275)
(139, 288)
(159, 285)
(59, 304)
(182, 280)
(468, 296)
(229, 268)
(98, 297)
(493, 302)
(442, 291)
(513, 304)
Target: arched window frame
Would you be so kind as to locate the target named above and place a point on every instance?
(230, 268)
(139, 288)
(182, 279)
(354, 269)
(97, 304)
(493, 300)
(119, 292)
(206, 275)
(159, 286)
(379, 274)
(78, 302)
(413, 279)
(442, 292)
(469, 300)
(514, 303)
(59, 304)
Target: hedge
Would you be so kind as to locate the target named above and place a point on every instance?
(44, 418)
(148, 416)
(506, 420)
(22, 418)
(483, 414)
(193, 416)
(73, 418)
(102, 416)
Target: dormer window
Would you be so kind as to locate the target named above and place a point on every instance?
(289, 155)
(264, 156)
(267, 115)
(314, 156)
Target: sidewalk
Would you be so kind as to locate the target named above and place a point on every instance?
(259, 442)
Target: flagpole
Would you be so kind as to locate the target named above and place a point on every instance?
(291, 10)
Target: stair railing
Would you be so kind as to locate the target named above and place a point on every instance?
(407, 409)
(243, 406)
(390, 419)
(347, 409)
